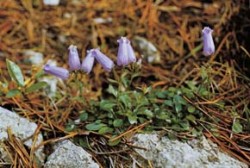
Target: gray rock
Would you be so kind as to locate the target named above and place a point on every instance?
(51, 81)
(166, 153)
(148, 50)
(22, 129)
(68, 155)
(35, 58)
(51, 2)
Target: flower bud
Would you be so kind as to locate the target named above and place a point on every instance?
(88, 62)
(208, 43)
(105, 61)
(74, 60)
(56, 71)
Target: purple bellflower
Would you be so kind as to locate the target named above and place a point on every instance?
(208, 43)
(88, 62)
(74, 60)
(131, 53)
(56, 71)
(105, 61)
(125, 52)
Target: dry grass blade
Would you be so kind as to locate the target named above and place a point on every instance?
(18, 151)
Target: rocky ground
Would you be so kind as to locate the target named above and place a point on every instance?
(161, 151)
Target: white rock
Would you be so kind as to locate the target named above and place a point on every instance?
(149, 51)
(167, 153)
(35, 58)
(51, 80)
(52, 85)
(21, 128)
(51, 2)
(68, 155)
(51, 62)
(102, 20)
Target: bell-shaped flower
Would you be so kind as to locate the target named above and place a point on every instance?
(131, 53)
(122, 56)
(88, 62)
(74, 60)
(208, 43)
(56, 71)
(125, 52)
(105, 61)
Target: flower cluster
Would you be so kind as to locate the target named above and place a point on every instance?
(125, 56)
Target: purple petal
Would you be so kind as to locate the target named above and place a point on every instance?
(105, 61)
(56, 71)
(131, 53)
(122, 56)
(74, 60)
(208, 43)
(88, 62)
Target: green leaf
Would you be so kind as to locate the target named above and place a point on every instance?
(147, 90)
(187, 92)
(192, 85)
(124, 80)
(162, 94)
(94, 126)
(141, 99)
(118, 122)
(112, 90)
(39, 74)
(178, 107)
(185, 126)
(172, 89)
(220, 104)
(148, 113)
(70, 127)
(107, 105)
(84, 116)
(168, 103)
(35, 87)
(203, 72)
(15, 72)
(196, 133)
(179, 100)
(237, 127)
(176, 127)
(114, 143)
(191, 109)
(13, 93)
(203, 91)
(105, 130)
(132, 119)
(126, 100)
(162, 116)
(191, 118)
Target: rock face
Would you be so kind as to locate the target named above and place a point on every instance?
(21, 128)
(68, 155)
(167, 153)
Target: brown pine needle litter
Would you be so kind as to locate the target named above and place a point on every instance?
(173, 27)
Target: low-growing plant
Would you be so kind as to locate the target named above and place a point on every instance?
(20, 86)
